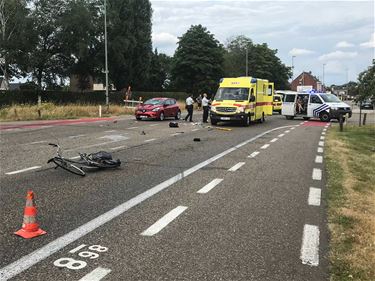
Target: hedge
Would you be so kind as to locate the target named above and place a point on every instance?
(64, 97)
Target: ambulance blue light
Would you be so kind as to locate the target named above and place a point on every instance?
(253, 80)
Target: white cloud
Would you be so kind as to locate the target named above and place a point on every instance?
(164, 38)
(370, 43)
(300, 52)
(334, 67)
(344, 44)
(338, 55)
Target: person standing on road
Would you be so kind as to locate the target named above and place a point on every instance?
(189, 108)
(205, 102)
(199, 101)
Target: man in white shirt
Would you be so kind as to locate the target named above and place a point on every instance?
(205, 102)
(189, 107)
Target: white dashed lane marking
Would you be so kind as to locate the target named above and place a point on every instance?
(323, 133)
(236, 167)
(118, 147)
(152, 125)
(320, 149)
(131, 128)
(322, 137)
(310, 245)
(281, 135)
(194, 130)
(321, 143)
(314, 196)
(150, 140)
(273, 140)
(287, 131)
(319, 159)
(317, 174)
(265, 146)
(96, 275)
(164, 221)
(252, 155)
(23, 170)
(209, 186)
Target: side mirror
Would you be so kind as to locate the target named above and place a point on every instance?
(252, 98)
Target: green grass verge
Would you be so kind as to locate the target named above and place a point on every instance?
(350, 164)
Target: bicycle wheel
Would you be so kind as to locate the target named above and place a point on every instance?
(68, 166)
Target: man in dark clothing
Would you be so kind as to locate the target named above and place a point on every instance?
(189, 108)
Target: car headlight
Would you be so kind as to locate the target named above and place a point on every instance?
(240, 109)
(156, 109)
(334, 108)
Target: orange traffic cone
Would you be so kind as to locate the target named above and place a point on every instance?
(30, 227)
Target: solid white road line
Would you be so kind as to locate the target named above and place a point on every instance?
(110, 131)
(314, 196)
(322, 137)
(131, 128)
(317, 174)
(273, 140)
(194, 130)
(118, 147)
(319, 159)
(154, 125)
(76, 136)
(265, 146)
(96, 275)
(175, 134)
(52, 247)
(281, 135)
(310, 245)
(23, 170)
(252, 155)
(236, 167)
(149, 140)
(164, 221)
(320, 150)
(321, 143)
(209, 186)
(35, 142)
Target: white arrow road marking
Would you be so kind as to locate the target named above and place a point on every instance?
(314, 196)
(209, 186)
(96, 275)
(164, 221)
(310, 245)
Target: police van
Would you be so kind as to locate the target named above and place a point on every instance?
(311, 104)
(242, 99)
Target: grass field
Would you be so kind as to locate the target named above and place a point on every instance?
(48, 111)
(351, 199)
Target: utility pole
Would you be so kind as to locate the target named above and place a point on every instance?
(323, 74)
(106, 55)
(293, 67)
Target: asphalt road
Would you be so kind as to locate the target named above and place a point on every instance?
(242, 204)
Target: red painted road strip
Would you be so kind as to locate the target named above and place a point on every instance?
(54, 123)
(314, 124)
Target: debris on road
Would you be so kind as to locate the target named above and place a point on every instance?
(173, 124)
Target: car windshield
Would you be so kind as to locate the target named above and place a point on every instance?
(276, 98)
(330, 98)
(232, 94)
(154, 102)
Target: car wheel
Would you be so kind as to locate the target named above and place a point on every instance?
(138, 118)
(213, 122)
(178, 115)
(263, 119)
(161, 116)
(246, 121)
(324, 117)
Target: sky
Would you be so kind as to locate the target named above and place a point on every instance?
(334, 38)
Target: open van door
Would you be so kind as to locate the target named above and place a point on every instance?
(289, 105)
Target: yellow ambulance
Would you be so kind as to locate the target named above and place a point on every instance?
(242, 99)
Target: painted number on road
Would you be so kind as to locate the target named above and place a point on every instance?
(79, 264)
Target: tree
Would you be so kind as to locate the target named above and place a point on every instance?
(366, 82)
(129, 42)
(15, 37)
(262, 62)
(198, 61)
(159, 72)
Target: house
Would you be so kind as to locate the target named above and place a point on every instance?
(306, 81)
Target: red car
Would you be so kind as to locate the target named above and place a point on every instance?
(158, 108)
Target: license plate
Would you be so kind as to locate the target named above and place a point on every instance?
(144, 116)
(224, 118)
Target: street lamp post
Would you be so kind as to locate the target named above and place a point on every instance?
(293, 67)
(106, 55)
(323, 75)
(247, 62)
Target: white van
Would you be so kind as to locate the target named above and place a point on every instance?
(314, 105)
